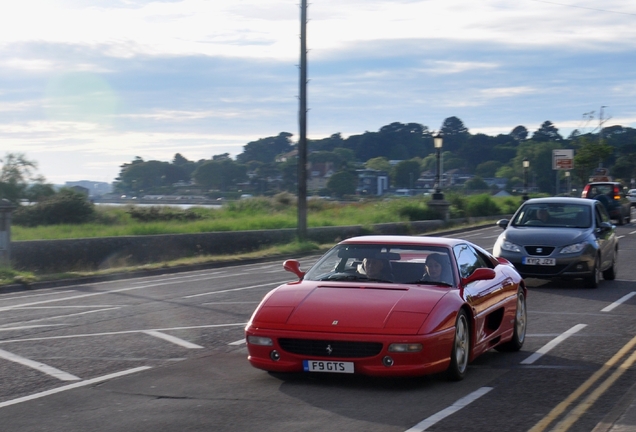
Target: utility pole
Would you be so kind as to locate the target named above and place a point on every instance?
(600, 133)
(302, 120)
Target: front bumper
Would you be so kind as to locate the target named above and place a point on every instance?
(434, 356)
(567, 266)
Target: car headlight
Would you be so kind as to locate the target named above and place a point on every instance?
(575, 248)
(405, 347)
(510, 247)
(260, 340)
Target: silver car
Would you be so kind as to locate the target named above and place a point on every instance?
(560, 237)
(631, 196)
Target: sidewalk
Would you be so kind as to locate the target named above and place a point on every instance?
(623, 417)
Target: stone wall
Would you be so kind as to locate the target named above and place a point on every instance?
(47, 256)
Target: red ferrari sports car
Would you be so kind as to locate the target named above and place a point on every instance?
(390, 306)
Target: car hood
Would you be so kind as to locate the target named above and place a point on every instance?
(350, 308)
(545, 236)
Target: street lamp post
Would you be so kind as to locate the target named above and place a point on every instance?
(438, 141)
(526, 165)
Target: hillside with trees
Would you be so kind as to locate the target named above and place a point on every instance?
(405, 151)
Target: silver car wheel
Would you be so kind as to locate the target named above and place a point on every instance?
(462, 339)
(521, 318)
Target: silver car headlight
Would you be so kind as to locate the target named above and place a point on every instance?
(510, 247)
(575, 248)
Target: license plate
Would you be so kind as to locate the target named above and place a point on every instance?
(327, 366)
(539, 261)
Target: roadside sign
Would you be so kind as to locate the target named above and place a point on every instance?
(563, 159)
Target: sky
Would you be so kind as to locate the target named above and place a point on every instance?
(88, 85)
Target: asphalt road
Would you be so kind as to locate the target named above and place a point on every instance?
(166, 353)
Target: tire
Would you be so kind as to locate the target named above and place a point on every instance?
(610, 273)
(461, 348)
(521, 323)
(592, 280)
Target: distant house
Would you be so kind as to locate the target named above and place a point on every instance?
(94, 188)
(318, 174)
(372, 182)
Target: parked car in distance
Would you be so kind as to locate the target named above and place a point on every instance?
(631, 196)
(560, 237)
(613, 197)
(390, 306)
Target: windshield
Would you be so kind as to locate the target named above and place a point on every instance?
(384, 263)
(554, 215)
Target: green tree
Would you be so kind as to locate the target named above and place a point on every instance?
(39, 191)
(65, 207)
(406, 173)
(149, 177)
(476, 183)
(16, 174)
(455, 134)
(547, 132)
(379, 164)
(588, 155)
(220, 174)
(342, 183)
(487, 169)
(539, 154)
(519, 133)
(266, 149)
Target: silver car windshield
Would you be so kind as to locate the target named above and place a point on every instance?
(554, 215)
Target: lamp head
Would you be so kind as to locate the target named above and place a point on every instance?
(438, 140)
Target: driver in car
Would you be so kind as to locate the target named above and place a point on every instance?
(375, 268)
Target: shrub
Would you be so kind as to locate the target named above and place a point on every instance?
(162, 214)
(416, 212)
(482, 205)
(65, 207)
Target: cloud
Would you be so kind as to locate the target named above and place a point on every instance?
(87, 86)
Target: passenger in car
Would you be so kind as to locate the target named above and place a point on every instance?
(437, 269)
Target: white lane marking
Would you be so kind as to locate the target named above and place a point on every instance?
(120, 333)
(238, 342)
(618, 302)
(70, 307)
(175, 340)
(235, 289)
(175, 278)
(34, 295)
(49, 370)
(230, 302)
(72, 386)
(633, 232)
(81, 296)
(553, 343)
(441, 415)
(64, 316)
(28, 326)
(6, 308)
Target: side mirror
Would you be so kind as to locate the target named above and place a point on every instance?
(293, 266)
(605, 226)
(481, 273)
(503, 223)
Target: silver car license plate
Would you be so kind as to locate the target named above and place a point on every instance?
(327, 366)
(539, 261)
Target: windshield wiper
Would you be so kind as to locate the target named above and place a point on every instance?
(428, 282)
